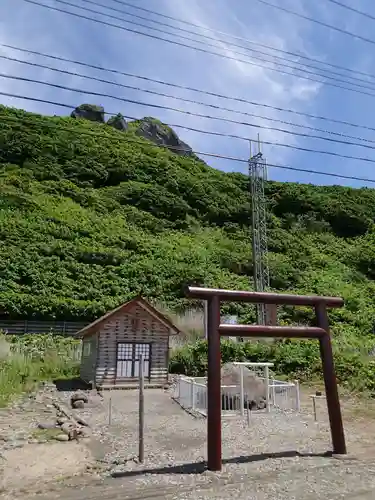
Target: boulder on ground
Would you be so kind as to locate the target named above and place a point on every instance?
(78, 404)
(79, 396)
(62, 420)
(254, 388)
(70, 430)
(46, 425)
(62, 437)
(84, 432)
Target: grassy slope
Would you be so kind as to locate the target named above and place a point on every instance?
(89, 216)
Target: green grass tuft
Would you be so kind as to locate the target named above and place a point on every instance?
(25, 361)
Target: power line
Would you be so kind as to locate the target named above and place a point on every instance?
(204, 28)
(191, 89)
(123, 137)
(282, 65)
(190, 101)
(294, 68)
(206, 132)
(352, 9)
(199, 49)
(317, 21)
(189, 113)
(248, 49)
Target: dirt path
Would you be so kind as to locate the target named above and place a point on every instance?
(175, 451)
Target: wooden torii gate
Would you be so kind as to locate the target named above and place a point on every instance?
(215, 330)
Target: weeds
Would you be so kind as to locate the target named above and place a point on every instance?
(190, 323)
(25, 361)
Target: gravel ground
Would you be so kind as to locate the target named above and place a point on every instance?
(175, 450)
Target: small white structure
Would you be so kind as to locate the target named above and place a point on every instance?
(191, 392)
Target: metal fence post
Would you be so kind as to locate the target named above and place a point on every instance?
(273, 392)
(242, 395)
(193, 394)
(267, 383)
(298, 399)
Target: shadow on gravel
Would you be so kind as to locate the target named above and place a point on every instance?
(200, 467)
(71, 385)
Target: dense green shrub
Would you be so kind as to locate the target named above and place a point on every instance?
(294, 359)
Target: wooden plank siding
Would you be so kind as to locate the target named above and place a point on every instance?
(135, 325)
(89, 358)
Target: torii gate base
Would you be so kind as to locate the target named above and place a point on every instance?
(215, 329)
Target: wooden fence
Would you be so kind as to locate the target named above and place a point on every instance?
(22, 327)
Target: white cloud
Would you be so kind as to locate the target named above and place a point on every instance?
(243, 80)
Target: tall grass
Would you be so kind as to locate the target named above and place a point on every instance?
(26, 361)
(190, 323)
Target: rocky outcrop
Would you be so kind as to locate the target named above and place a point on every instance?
(161, 134)
(118, 122)
(148, 128)
(254, 389)
(89, 112)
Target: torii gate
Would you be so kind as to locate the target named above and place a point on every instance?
(215, 330)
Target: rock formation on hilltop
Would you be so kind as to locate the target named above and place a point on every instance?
(161, 134)
(90, 112)
(118, 122)
(148, 128)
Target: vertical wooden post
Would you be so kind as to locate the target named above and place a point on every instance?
(110, 408)
(214, 461)
(205, 305)
(332, 395)
(314, 408)
(141, 410)
(271, 314)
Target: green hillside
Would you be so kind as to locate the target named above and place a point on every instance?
(90, 215)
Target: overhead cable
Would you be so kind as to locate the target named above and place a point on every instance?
(252, 42)
(317, 21)
(208, 132)
(125, 137)
(190, 101)
(199, 49)
(229, 44)
(186, 87)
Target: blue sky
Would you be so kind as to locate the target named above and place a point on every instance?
(36, 28)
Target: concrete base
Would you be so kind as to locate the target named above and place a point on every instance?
(128, 387)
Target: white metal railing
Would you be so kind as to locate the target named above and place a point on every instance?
(191, 392)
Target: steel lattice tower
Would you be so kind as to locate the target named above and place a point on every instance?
(258, 176)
